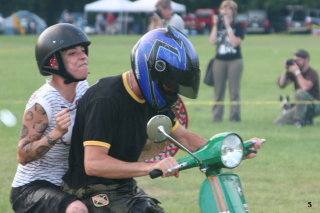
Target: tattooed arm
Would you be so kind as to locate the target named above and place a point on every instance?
(33, 144)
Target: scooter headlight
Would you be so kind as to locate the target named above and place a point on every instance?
(231, 151)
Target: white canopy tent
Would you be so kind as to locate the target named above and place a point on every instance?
(149, 5)
(111, 6)
(108, 6)
(128, 6)
(123, 7)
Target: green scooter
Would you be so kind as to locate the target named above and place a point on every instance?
(220, 192)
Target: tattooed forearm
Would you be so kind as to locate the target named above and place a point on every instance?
(41, 151)
(50, 140)
(40, 126)
(38, 108)
(32, 144)
(35, 137)
(27, 146)
(29, 116)
(31, 151)
(24, 131)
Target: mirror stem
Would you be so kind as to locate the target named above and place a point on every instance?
(161, 129)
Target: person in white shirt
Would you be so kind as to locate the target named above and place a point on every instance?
(43, 150)
(164, 17)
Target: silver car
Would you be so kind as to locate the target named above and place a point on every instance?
(258, 22)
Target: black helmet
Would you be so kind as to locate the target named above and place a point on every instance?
(54, 39)
(165, 64)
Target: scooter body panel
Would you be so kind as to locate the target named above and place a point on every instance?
(222, 193)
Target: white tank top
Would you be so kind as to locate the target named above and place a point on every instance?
(53, 165)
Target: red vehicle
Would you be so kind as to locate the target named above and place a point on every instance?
(204, 20)
(190, 22)
(242, 18)
(201, 20)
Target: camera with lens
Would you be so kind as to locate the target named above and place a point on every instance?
(220, 22)
(290, 62)
(158, 12)
(155, 12)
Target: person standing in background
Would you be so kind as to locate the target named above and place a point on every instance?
(66, 17)
(100, 23)
(227, 34)
(164, 16)
(110, 26)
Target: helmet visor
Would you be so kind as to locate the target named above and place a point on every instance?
(183, 82)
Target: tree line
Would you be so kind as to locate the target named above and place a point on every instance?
(50, 10)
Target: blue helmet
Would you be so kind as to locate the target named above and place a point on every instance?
(165, 64)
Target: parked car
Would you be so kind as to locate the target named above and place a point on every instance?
(314, 16)
(300, 20)
(278, 23)
(258, 22)
(201, 20)
(204, 20)
(242, 18)
(190, 23)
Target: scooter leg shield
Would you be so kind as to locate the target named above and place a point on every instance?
(222, 194)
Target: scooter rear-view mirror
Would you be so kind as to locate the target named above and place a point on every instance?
(156, 122)
(159, 128)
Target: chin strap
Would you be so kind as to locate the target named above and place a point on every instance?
(68, 81)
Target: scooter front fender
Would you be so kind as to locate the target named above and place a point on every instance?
(222, 194)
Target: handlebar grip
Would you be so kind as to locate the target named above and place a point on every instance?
(249, 146)
(155, 173)
(252, 150)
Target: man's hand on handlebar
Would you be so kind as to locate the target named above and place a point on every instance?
(253, 150)
(166, 164)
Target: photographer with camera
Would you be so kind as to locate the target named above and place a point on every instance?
(227, 34)
(164, 16)
(306, 84)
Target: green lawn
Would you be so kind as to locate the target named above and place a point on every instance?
(283, 178)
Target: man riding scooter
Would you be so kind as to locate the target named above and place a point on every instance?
(110, 128)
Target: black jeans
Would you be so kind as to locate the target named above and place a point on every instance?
(38, 197)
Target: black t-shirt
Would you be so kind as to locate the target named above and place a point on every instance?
(107, 115)
(224, 50)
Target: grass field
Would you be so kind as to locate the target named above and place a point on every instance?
(283, 178)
